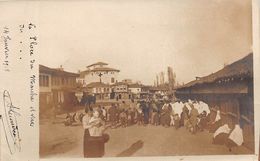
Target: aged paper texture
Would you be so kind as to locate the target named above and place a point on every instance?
(131, 80)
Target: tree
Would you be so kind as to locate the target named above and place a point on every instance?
(171, 78)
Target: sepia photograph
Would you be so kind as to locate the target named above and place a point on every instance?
(146, 78)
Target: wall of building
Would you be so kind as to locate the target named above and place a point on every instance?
(63, 81)
(106, 78)
(45, 82)
(135, 90)
(101, 90)
(121, 88)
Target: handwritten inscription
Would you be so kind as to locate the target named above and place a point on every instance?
(10, 123)
(18, 52)
(32, 47)
(32, 88)
(6, 39)
(32, 98)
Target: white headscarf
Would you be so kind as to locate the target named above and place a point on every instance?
(237, 135)
(217, 116)
(165, 106)
(179, 109)
(222, 129)
(188, 105)
(205, 107)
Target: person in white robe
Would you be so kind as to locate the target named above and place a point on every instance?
(205, 107)
(221, 134)
(235, 138)
(216, 123)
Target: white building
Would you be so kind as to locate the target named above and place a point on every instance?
(135, 88)
(120, 91)
(98, 72)
(100, 90)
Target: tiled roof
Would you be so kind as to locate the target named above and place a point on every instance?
(105, 69)
(239, 69)
(96, 84)
(98, 63)
(57, 72)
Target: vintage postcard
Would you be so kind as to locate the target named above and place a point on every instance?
(129, 80)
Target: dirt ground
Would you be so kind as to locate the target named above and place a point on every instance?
(57, 140)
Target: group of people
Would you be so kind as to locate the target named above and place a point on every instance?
(193, 115)
(224, 134)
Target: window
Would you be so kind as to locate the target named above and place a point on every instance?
(44, 80)
(112, 80)
(52, 80)
(41, 82)
(62, 81)
(47, 81)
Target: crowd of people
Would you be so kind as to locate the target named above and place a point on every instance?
(193, 115)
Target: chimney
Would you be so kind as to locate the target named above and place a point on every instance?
(61, 68)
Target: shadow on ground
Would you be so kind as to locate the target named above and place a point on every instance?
(132, 149)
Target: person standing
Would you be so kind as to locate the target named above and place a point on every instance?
(112, 115)
(203, 121)
(97, 138)
(145, 108)
(193, 119)
(184, 117)
(86, 126)
(139, 114)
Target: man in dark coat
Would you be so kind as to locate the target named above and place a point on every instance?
(145, 109)
(112, 115)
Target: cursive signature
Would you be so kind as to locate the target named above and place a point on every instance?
(10, 124)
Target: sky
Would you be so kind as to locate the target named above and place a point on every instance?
(142, 38)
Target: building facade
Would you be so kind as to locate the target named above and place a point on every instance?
(98, 72)
(120, 91)
(229, 90)
(136, 90)
(57, 88)
(101, 91)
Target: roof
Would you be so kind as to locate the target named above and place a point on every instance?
(96, 84)
(136, 85)
(120, 83)
(98, 63)
(57, 72)
(83, 73)
(164, 88)
(97, 69)
(241, 69)
(105, 69)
